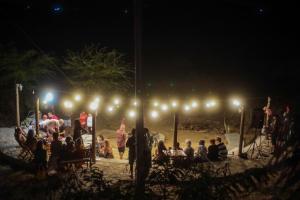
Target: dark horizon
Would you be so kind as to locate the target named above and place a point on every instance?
(221, 47)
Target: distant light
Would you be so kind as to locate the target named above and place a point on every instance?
(45, 102)
(57, 8)
(174, 104)
(97, 99)
(135, 102)
(94, 105)
(155, 103)
(117, 101)
(211, 104)
(154, 114)
(68, 104)
(77, 97)
(49, 97)
(164, 107)
(110, 109)
(186, 108)
(236, 102)
(194, 104)
(132, 114)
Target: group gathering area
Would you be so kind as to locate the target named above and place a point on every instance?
(148, 99)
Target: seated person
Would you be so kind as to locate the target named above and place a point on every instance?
(79, 149)
(222, 150)
(107, 150)
(56, 147)
(31, 141)
(62, 126)
(52, 116)
(40, 156)
(213, 151)
(188, 150)
(161, 152)
(178, 146)
(100, 144)
(42, 123)
(68, 148)
(20, 136)
(202, 151)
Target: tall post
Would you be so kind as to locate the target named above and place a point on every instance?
(242, 125)
(17, 106)
(175, 130)
(140, 143)
(94, 136)
(37, 115)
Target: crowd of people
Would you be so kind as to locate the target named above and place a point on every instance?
(280, 128)
(216, 151)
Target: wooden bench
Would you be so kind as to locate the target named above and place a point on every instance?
(70, 163)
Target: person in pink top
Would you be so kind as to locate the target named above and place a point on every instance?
(121, 139)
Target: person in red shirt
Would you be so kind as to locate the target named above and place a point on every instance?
(83, 119)
(52, 116)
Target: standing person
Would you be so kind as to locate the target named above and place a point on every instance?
(213, 151)
(222, 150)
(89, 123)
(77, 130)
(131, 152)
(56, 149)
(188, 150)
(121, 139)
(83, 119)
(274, 130)
(147, 151)
(40, 156)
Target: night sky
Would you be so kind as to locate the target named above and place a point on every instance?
(222, 47)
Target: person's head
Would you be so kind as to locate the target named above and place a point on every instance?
(40, 145)
(69, 139)
(161, 146)
(101, 137)
(202, 142)
(212, 141)
(30, 134)
(188, 143)
(61, 122)
(78, 143)
(50, 114)
(44, 117)
(219, 140)
(133, 132)
(106, 143)
(18, 130)
(55, 136)
(177, 145)
(77, 124)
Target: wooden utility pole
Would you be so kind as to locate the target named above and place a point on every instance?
(242, 125)
(37, 110)
(18, 123)
(176, 120)
(140, 138)
(94, 136)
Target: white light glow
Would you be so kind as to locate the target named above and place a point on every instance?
(94, 105)
(155, 103)
(131, 113)
(164, 107)
(211, 104)
(68, 104)
(49, 97)
(186, 108)
(110, 109)
(117, 101)
(236, 102)
(194, 104)
(174, 104)
(154, 114)
(77, 97)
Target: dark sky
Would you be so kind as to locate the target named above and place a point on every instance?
(224, 46)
